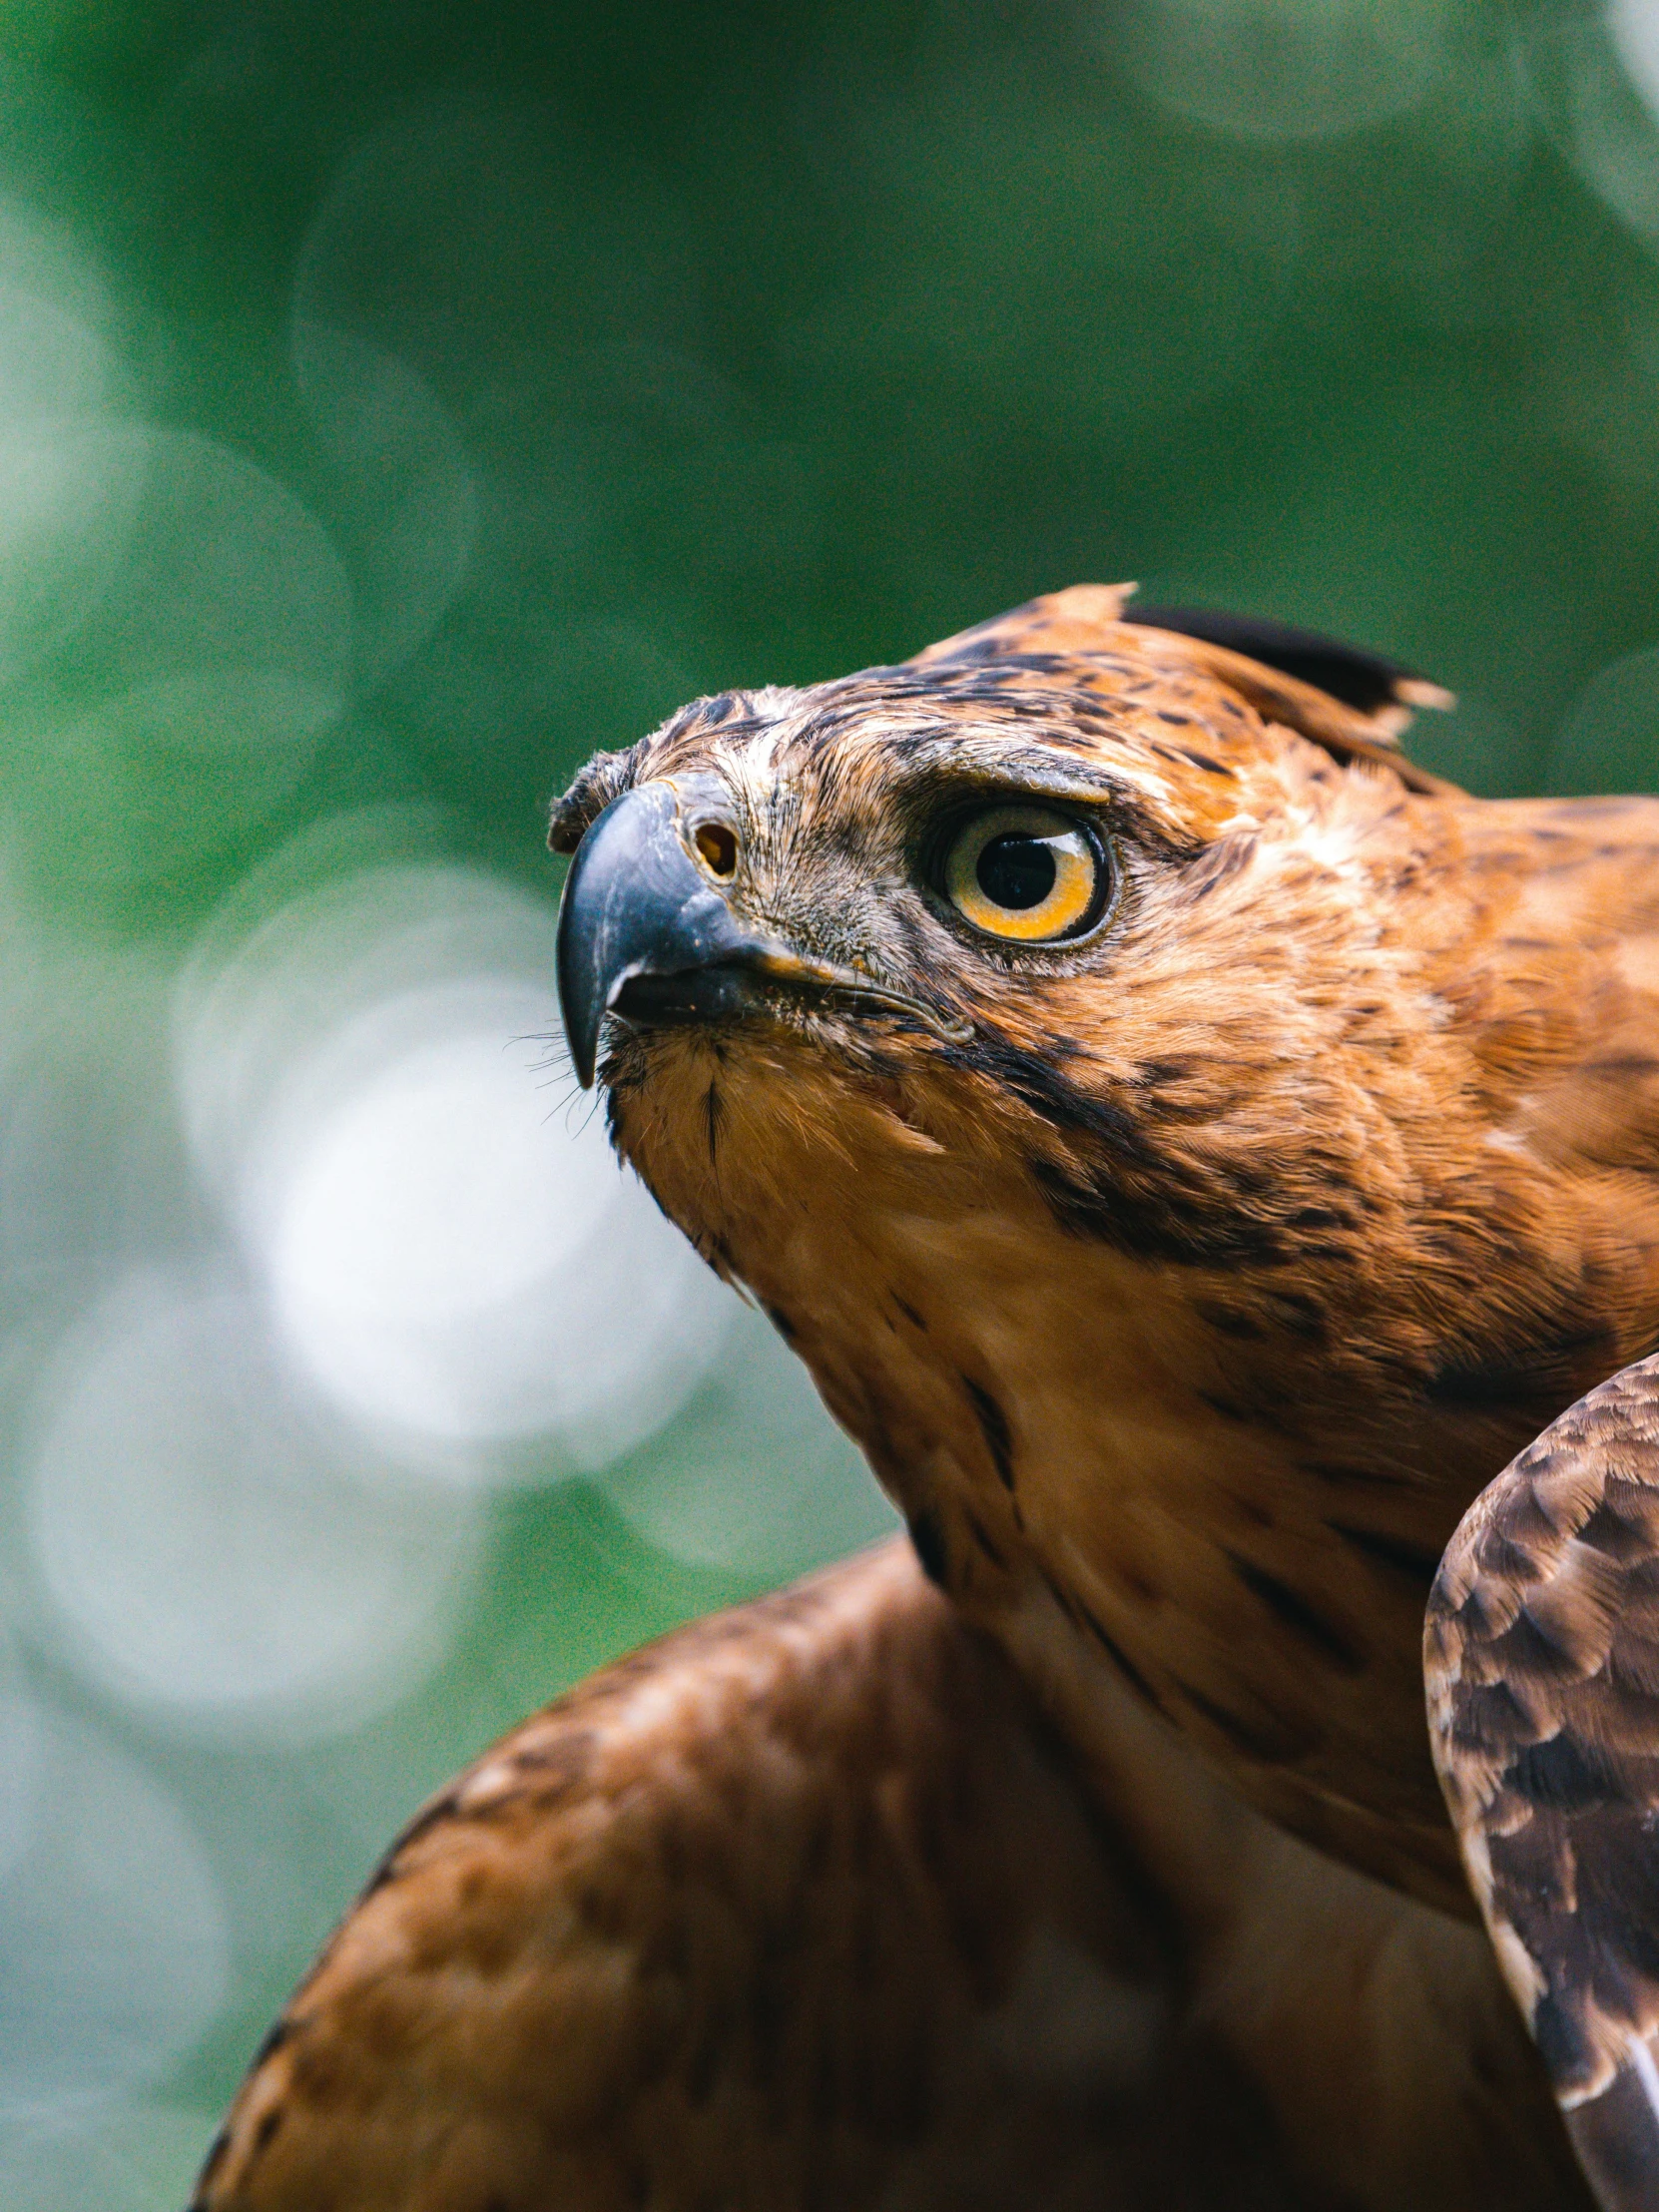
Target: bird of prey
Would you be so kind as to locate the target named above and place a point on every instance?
(1194, 1151)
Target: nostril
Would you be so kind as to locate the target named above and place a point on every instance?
(717, 846)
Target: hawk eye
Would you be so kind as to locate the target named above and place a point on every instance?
(1026, 874)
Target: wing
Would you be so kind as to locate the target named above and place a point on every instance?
(803, 1907)
(796, 1908)
(1542, 1663)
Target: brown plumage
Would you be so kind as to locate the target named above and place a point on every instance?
(1184, 1277)
(808, 1905)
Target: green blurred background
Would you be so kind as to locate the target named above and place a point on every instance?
(399, 402)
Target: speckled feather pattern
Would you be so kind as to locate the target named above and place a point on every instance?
(1542, 1665)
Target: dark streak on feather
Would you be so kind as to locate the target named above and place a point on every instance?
(442, 1808)
(983, 1537)
(1257, 1744)
(1344, 1472)
(1541, 1379)
(927, 1541)
(1419, 1566)
(272, 2043)
(216, 2151)
(1121, 1190)
(711, 1120)
(1060, 1594)
(1293, 1609)
(994, 1426)
(781, 1323)
(1119, 1659)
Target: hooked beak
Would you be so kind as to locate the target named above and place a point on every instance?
(643, 933)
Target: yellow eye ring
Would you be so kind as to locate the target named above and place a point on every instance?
(1025, 873)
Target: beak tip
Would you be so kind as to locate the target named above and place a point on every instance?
(610, 894)
(576, 1012)
(582, 1014)
(634, 904)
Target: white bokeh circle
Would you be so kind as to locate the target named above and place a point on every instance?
(215, 1552)
(451, 1254)
(373, 1084)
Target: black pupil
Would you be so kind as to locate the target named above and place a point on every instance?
(1016, 870)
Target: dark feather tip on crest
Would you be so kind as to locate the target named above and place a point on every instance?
(1364, 680)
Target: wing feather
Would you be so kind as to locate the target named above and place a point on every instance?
(796, 1908)
(804, 1906)
(1543, 1666)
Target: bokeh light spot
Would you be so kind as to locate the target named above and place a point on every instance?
(114, 2155)
(69, 499)
(1290, 69)
(217, 1551)
(1593, 81)
(406, 495)
(751, 1475)
(370, 1077)
(113, 1953)
(1610, 738)
(451, 1258)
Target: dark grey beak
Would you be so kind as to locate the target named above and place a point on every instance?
(643, 933)
(635, 905)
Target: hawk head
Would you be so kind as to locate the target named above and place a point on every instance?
(1073, 1038)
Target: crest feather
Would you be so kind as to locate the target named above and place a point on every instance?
(1353, 703)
